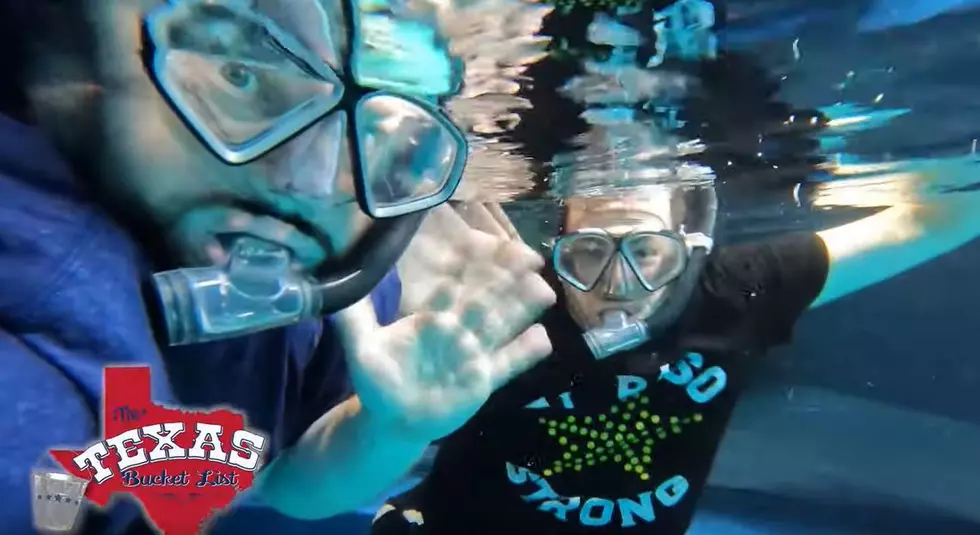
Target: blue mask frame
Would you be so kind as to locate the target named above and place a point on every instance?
(349, 98)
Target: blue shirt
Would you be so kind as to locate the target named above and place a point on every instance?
(70, 303)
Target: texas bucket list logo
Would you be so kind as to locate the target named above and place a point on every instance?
(182, 466)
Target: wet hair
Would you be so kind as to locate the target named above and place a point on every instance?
(737, 116)
(734, 108)
(550, 126)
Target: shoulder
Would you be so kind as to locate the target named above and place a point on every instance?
(67, 268)
(767, 283)
(47, 224)
(792, 263)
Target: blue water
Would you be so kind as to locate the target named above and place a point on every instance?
(867, 425)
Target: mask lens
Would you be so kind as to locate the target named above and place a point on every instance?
(582, 258)
(245, 87)
(234, 81)
(655, 258)
(411, 157)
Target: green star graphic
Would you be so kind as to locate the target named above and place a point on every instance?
(624, 435)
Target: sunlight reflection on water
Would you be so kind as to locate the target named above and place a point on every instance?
(801, 117)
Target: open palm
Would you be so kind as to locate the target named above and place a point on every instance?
(471, 329)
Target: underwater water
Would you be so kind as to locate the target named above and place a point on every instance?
(868, 422)
(805, 115)
(816, 114)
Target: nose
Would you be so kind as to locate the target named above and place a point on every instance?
(315, 164)
(310, 178)
(619, 282)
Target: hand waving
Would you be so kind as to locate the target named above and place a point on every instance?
(438, 251)
(474, 299)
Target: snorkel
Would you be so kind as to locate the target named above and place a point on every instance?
(258, 289)
(620, 332)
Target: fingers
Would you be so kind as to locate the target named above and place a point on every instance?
(479, 217)
(433, 252)
(478, 235)
(502, 311)
(516, 256)
(491, 218)
(445, 224)
(488, 280)
(439, 268)
(488, 217)
(498, 262)
(357, 325)
(503, 220)
(520, 355)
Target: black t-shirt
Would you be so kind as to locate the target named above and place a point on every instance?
(622, 445)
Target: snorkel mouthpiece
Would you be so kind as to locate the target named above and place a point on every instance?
(618, 333)
(255, 290)
(258, 289)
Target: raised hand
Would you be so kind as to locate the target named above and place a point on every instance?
(473, 300)
(448, 238)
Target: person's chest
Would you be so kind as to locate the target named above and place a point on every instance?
(250, 374)
(610, 447)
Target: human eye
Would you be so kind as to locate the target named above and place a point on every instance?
(591, 249)
(252, 88)
(239, 79)
(236, 90)
(235, 69)
(646, 253)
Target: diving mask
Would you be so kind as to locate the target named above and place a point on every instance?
(657, 258)
(246, 86)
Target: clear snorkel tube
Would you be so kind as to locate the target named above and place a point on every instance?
(258, 289)
(618, 333)
(255, 290)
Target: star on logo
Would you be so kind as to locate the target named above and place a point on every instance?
(624, 435)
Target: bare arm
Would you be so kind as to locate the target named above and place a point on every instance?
(915, 229)
(344, 461)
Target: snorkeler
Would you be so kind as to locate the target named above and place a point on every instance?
(656, 333)
(655, 336)
(219, 191)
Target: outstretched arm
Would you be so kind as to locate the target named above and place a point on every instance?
(921, 223)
